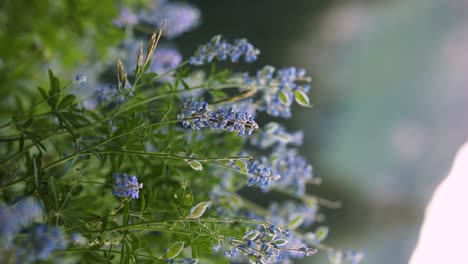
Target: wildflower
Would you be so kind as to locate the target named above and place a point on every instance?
(353, 257)
(247, 106)
(41, 242)
(126, 18)
(276, 134)
(294, 169)
(231, 253)
(81, 78)
(222, 50)
(126, 186)
(279, 89)
(216, 247)
(197, 115)
(16, 217)
(287, 212)
(260, 174)
(179, 17)
(165, 59)
(9, 226)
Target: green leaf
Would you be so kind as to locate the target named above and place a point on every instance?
(336, 257)
(194, 252)
(321, 233)
(21, 143)
(251, 235)
(27, 123)
(198, 210)
(296, 222)
(280, 242)
(52, 184)
(142, 203)
(184, 84)
(242, 166)
(79, 203)
(52, 81)
(42, 92)
(66, 101)
(174, 250)
(68, 166)
(104, 223)
(36, 140)
(302, 98)
(196, 165)
(284, 98)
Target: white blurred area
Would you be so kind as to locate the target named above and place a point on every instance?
(445, 229)
(390, 91)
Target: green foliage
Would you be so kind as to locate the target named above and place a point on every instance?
(129, 175)
(35, 33)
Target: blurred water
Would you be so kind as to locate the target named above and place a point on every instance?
(394, 79)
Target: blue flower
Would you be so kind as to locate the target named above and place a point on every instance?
(126, 186)
(165, 59)
(40, 243)
(126, 18)
(81, 78)
(17, 217)
(276, 134)
(284, 166)
(179, 17)
(197, 115)
(278, 89)
(260, 173)
(223, 50)
(294, 169)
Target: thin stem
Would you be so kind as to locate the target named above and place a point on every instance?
(162, 260)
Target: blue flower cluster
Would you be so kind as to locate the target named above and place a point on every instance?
(285, 213)
(294, 169)
(30, 243)
(260, 174)
(126, 186)
(348, 257)
(179, 17)
(165, 59)
(126, 18)
(197, 115)
(267, 244)
(17, 217)
(279, 89)
(275, 134)
(42, 241)
(222, 50)
(284, 166)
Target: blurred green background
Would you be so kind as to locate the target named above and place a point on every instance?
(390, 91)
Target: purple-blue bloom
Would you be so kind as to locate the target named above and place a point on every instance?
(126, 186)
(17, 217)
(179, 17)
(276, 134)
(197, 115)
(278, 89)
(260, 173)
(294, 169)
(222, 50)
(165, 59)
(40, 243)
(126, 18)
(81, 78)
